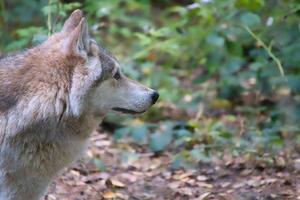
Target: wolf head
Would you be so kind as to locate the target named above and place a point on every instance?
(98, 84)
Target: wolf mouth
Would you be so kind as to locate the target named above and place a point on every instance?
(127, 111)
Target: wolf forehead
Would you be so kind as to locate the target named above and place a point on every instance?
(108, 61)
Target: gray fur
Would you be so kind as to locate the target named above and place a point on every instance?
(51, 98)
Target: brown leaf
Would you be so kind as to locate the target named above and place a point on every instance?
(225, 184)
(175, 185)
(297, 164)
(95, 177)
(246, 172)
(186, 191)
(112, 183)
(203, 196)
(184, 175)
(108, 183)
(109, 195)
(202, 178)
(280, 162)
(128, 177)
(191, 181)
(122, 196)
(254, 183)
(51, 197)
(269, 181)
(117, 183)
(205, 185)
(166, 174)
(238, 185)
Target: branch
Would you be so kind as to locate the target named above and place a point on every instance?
(268, 49)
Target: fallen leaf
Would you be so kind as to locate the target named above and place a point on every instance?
(51, 197)
(109, 195)
(108, 183)
(254, 183)
(128, 177)
(122, 196)
(205, 185)
(175, 185)
(269, 181)
(280, 162)
(184, 175)
(191, 181)
(92, 178)
(246, 172)
(287, 193)
(225, 184)
(155, 164)
(166, 174)
(117, 183)
(186, 191)
(238, 185)
(297, 164)
(202, 178)
(203, 196)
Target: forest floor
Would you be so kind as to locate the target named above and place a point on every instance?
(150, 176)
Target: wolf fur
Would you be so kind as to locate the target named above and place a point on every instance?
(51, 98)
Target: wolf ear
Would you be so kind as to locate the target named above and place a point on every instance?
(72, 21)
(78, 39)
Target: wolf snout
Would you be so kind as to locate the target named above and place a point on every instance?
(154, 97)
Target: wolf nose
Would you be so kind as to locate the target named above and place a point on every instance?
(154, 97)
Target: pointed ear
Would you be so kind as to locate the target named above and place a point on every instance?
(72, 21)
(78, 40)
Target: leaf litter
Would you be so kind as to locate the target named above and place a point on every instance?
(148, 176)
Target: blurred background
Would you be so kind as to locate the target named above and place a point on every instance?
(228, 71)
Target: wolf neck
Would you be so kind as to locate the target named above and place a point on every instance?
(45, 119)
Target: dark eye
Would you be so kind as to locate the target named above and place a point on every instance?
(117, 75)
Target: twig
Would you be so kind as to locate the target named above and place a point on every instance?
(291, 12)
(268, 50)
(49, 24)
(3, 10)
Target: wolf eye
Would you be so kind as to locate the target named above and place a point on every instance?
(117, 75)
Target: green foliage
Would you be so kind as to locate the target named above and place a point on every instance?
(100, 164)
(159, 141)
(226, 54)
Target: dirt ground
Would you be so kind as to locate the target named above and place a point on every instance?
(150, 176)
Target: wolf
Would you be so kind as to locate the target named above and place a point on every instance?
(52, 96)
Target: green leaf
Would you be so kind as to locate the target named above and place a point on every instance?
(121, 133)
(127, 158)
(226, 135)
(183, 133)
(143, 39)
(294, 83)
(198, 155)
(250, 19)
(39, 38)
(215, 40)
(177, 162)
(159, 141)
(100, 164)
(162, 32)
(249, 4)
(140, 134)
(298, 139)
